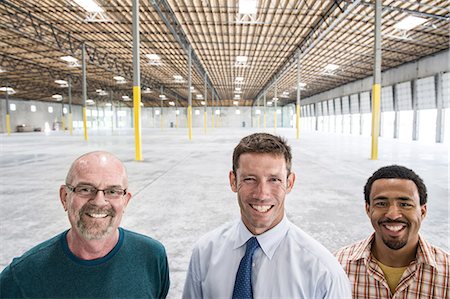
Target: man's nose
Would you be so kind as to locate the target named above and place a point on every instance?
(100, 198)
(262, 190)
(393, 212)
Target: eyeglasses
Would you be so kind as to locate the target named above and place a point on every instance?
(88, 191)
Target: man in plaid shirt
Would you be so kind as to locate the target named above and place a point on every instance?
(395, 261)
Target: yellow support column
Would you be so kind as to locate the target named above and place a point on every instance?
(8, 124)
(176, 121)
(137, 121)
(204, 120)
(70, 124)
(297, 123)
(63, 124)
(375, 119)
(85, 124)
(189, 118)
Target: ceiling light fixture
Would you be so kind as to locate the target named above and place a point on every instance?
(248, 7)
(241, 61)
(154, 59)
(57, 97)
(126, 98)
(120, 79)
(235, 103)
(409, 23)
(146, 90)
(61, 82)
(8, 90)
(71, 61)
(89, 5)
(90, 102)
(331, 67)
(171, 103)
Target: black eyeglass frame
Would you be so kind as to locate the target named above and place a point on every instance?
(72, 189)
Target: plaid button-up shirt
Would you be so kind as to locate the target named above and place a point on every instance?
(428, 276)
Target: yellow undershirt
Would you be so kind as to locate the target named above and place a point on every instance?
(392, 275)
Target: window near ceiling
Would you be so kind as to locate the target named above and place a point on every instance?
(12, 107)
(33, 108)
(50, 109)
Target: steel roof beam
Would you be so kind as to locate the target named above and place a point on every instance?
(177, 31)
(316, 34)
(50, 36)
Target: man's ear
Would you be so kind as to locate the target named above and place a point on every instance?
(290, 182)
(233, 181)
(423, 210)
(367, 209)
(63, 196)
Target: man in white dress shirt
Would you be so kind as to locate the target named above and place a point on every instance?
(288, 263)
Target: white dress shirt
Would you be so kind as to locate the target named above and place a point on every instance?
(288, 264)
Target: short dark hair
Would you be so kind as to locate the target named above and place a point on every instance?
(396, 172)
(263, 143)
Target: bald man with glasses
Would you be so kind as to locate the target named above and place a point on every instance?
(95, 258)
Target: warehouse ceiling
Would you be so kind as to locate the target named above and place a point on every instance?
(237, 55)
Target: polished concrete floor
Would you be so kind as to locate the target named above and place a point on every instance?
(181, 191)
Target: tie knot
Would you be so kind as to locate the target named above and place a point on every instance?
(252, 245)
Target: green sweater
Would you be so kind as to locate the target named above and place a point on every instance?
(135, 268)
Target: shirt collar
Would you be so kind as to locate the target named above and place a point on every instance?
(268, 241)
(424, 253)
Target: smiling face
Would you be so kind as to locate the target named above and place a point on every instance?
(396, 214)
(261, 183)
(95, 217)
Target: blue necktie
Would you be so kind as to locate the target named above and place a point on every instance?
(243, 284)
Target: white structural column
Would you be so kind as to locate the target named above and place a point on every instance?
(69, 81)
(189, 110)
(205, 113)
(8, 119)
(415, 130)
(396, 114)
(440, 117)
(297, 105)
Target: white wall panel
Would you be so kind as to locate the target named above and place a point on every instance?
(354, 105)
(330, 107)
(345, 105)
(387, 103)
(365, 102)
(337, 106)
(446, 90)
(426, 95)
(404, 96)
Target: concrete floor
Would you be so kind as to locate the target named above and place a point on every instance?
(180, 190)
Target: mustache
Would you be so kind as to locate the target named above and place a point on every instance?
(389, 221)
(90, 209)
